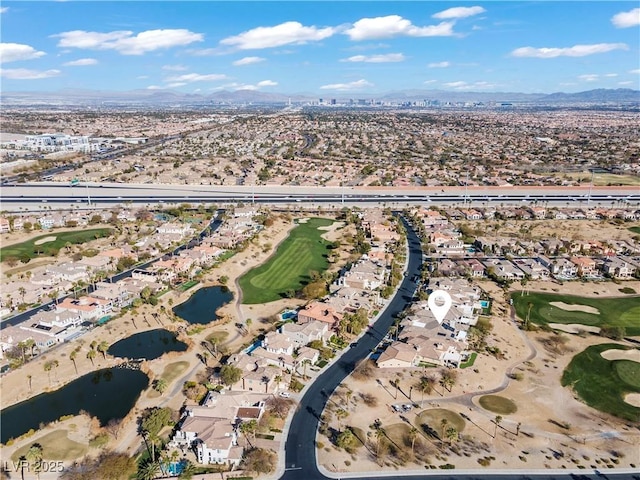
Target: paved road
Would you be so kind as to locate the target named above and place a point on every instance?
(300, 448)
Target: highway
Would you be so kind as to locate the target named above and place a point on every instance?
(50, 195)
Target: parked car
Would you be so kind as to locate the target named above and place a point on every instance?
(285, 394)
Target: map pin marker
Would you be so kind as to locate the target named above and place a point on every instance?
(439, 303)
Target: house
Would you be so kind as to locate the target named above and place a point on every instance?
(560, 267)
(398, 355)
(4, 225)
(89, 308)
(586, 266)
(616, 267)
(302, 334)
(320, 312)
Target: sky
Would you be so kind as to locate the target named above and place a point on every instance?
(320, 47)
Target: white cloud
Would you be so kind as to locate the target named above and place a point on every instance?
(636, 71)
(125, 42)
(589, 77)
(248, 61)
(357, 85)
(155, 87)
(197, 77)
(626, 19)
(393, 26)
(461, 85)
(459, 12)
(284, 34)
(81, 62)
(4, 9)
(174, 68)
(385, 58)
(610, 75)
(25, 74)
(176, 84)
(575, 51)
(267, 83)
(429, 82)
(628, 82)
(439, 65)
(13, 52)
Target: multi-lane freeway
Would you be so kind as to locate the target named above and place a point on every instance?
(46, 195)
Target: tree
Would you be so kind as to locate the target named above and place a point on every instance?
(413, 435)
(160, 385)
(230, 374)
(443, 423)
(22, 291)
(259, 460)
(497, 421)
(452, 434)
(379, 433)
(47, 368)
(248, 429)
(449, 378)
(148, 471)
(91, 354)
(72, 357)
(34, 457)
(113, 466)
(29, 378)
(425, 385)
(103, 347)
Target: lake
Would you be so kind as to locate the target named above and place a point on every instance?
(148, 345)
(105, 394)
(202, 305)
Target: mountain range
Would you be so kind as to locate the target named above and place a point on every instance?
(74, 97)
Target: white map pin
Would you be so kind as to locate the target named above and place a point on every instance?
(439, 303)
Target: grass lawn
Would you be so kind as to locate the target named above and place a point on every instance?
(398, 433)
(498, 404)
(620, 311)
(635, 229)
(433, 419)
(31, 249)
(218, 337)
(174, 370)
(470, 361)
(55, 446)
(601, 383)
(288, 268)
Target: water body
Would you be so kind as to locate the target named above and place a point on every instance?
(202, 305)
(148, 345)
(105, 394)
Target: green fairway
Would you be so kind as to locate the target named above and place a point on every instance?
(602, 383)
(620, 311)
(304, 250)
(433, 418)
(55, 241)
(635, 229)
(56, 445)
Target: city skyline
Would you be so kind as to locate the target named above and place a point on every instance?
(321, 48)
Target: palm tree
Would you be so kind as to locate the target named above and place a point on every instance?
(34, 457)
(518, 429)
(148, 471)
(443, 423)
(248, 429)
(497, 421)
(103, 347)
(23, 347)
(160, 385)
(413, 434)
(379, 433)
(425, 385)
(47, 368)
(29, 378)
(266, 381)
(452, 434)
(22, 291)
(30, 343)
(72, 357)
(91, 354)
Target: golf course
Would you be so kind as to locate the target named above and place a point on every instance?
(602, 383)
(51, 243)
(288, 269)
(548, 308)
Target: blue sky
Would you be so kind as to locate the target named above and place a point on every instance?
(322, 48)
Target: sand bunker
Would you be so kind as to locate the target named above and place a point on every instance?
(633, 399)
(574, 327)
(615, 354)
(575, 308)
(44, 240)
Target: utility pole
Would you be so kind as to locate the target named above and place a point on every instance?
(590, 188)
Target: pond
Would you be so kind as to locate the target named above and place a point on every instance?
(202, 305)
(148, 345)
(94, 393)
